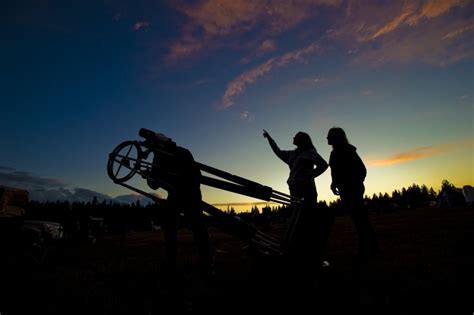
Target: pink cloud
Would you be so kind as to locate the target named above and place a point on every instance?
(431, 31)
(266, 46)
(247, 116)
(459, 31)
(187, 46)
(262, 49)
(433, 8)
(412, 13)
(401, 32)
(141, 24)
(211, 20)
(239, 84)
(424, 45)
(395, 23)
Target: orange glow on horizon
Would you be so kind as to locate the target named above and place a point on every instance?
(417, 153)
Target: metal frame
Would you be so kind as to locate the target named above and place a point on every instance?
(122, 167)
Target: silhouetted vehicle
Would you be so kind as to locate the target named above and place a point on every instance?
(49, 230)
(20, 239)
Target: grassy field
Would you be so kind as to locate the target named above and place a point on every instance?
(426, 266)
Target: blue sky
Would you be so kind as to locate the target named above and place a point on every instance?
(79, 78)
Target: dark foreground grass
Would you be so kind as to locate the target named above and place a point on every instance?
(426, 266)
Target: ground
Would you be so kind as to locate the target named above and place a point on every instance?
(425, 266)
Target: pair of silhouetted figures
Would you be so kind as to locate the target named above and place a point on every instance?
(180, 176)
(314, 224)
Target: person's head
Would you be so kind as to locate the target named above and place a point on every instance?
(303, 141)
(337, 136)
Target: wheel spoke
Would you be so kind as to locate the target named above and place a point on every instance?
(120, 164)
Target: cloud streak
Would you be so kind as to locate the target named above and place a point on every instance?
(415, 154)
(249, 77)
(141, 25)
(412, 13)
(426, 31)
(12, 177)
(426, 46)
(51, 189)
(213, 20)
(458, 32)
(264, 48)
(434, 32)
(430, 31)
(247, 116)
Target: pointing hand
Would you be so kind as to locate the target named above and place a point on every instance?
(266, 134)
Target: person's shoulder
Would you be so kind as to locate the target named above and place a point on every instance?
(345, 149)
(310, 153)
(352, 147)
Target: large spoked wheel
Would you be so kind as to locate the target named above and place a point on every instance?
(124, 161)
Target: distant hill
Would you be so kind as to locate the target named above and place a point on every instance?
(83, 195)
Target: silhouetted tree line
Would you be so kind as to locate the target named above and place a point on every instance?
(414, 196)
(94, 217)
(79, 217)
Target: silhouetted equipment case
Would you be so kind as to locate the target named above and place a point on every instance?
(12, 201)
(133, 157)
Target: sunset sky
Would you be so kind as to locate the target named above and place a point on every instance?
(79, 77)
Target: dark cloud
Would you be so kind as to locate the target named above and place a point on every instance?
(436, 32)
(26, 180)
(209, 22)
(51, 189)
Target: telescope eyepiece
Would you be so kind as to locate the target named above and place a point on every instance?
(155, 137)
(146, 133)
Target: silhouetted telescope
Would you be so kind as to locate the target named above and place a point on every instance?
(154, 137)
(158, 143)
(133, 157)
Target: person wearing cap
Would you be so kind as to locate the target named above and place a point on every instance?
(177, 173)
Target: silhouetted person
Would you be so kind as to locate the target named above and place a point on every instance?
(348, 173)
(310, 233)
(177, 173)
